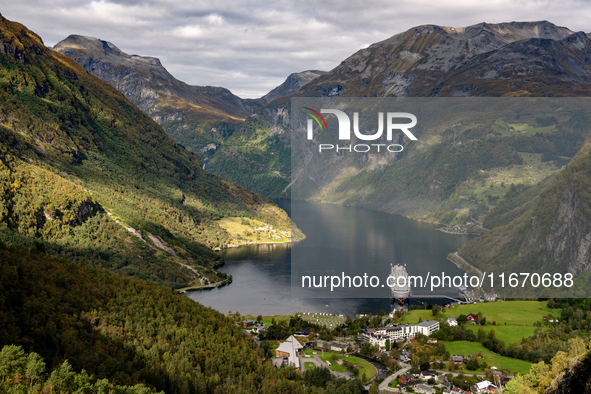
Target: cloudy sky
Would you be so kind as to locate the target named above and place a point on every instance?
(251, 46)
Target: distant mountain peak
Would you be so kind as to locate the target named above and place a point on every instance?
(422, 60)
(292, 84)
(78, 47)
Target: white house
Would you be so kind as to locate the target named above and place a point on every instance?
(338, 347)
(484, 387)
(290, 349)
(451, 321)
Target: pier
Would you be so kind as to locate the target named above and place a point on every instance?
(418, 297)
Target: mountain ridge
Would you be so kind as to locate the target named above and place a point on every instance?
(199, 117)
(86, 175)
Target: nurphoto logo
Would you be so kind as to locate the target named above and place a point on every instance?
(392, 119)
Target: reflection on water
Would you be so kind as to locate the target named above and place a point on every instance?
(262, 273)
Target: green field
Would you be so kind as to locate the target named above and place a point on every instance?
(393, 383)
(531, 158)
(267, 319)
(495, 182)
(465, 348)
(511, 364)
(311, 352)
(510, 312)
(501, 362)
(364, 367)
(508, 334)
(333, 365)
(309, 365)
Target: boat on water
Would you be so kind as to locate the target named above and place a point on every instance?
(400, 291)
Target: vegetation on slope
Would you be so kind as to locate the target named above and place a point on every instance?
(131, 331)
(546, 237)
(94, 179)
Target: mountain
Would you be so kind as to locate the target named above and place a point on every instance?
(553, 236)
(198, 117)
(505, 59)
(194, 116)
(86, 175)
(292, 84)
(448, 186)
(436, 179)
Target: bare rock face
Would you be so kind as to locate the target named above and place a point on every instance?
(434, 60)
(147, 83)
(576, 379)
(570, 239)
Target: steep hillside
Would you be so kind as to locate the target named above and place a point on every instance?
(453, 175)
(552, 236)
(83, 320)
(492, 60)
(87, 175)
(486, 59)
(198, 117)
(194, 116)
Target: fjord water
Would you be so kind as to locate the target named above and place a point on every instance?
(262, 273)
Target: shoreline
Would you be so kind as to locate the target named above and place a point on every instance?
(254, 243)
(184, 290)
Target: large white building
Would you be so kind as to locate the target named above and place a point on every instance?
(290, 349)
(379, 336)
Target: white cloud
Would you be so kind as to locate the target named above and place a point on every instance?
(251, 46)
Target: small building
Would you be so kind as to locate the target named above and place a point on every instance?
(428, 327)
(423, 388)
(320, 344)
(405, 378)
(451, 321)
(414, 374)
(302, 333)
(484, 387)
(471, 317)
(408, 384)
(338, 347)
(248, 323)
(428, 374)
(457, 358)
(432, 340)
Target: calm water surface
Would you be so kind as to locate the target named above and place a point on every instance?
(336, 237)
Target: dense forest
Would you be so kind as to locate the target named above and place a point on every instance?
(101, 325)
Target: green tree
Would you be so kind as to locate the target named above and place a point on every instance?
(472, 364)
(34, 369)
(375, 388)
(481, 335)
(492, 334)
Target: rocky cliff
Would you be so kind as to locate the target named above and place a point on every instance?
(576, 378)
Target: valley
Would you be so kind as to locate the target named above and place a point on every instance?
(122, 186)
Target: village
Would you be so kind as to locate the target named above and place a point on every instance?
(393, 358)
